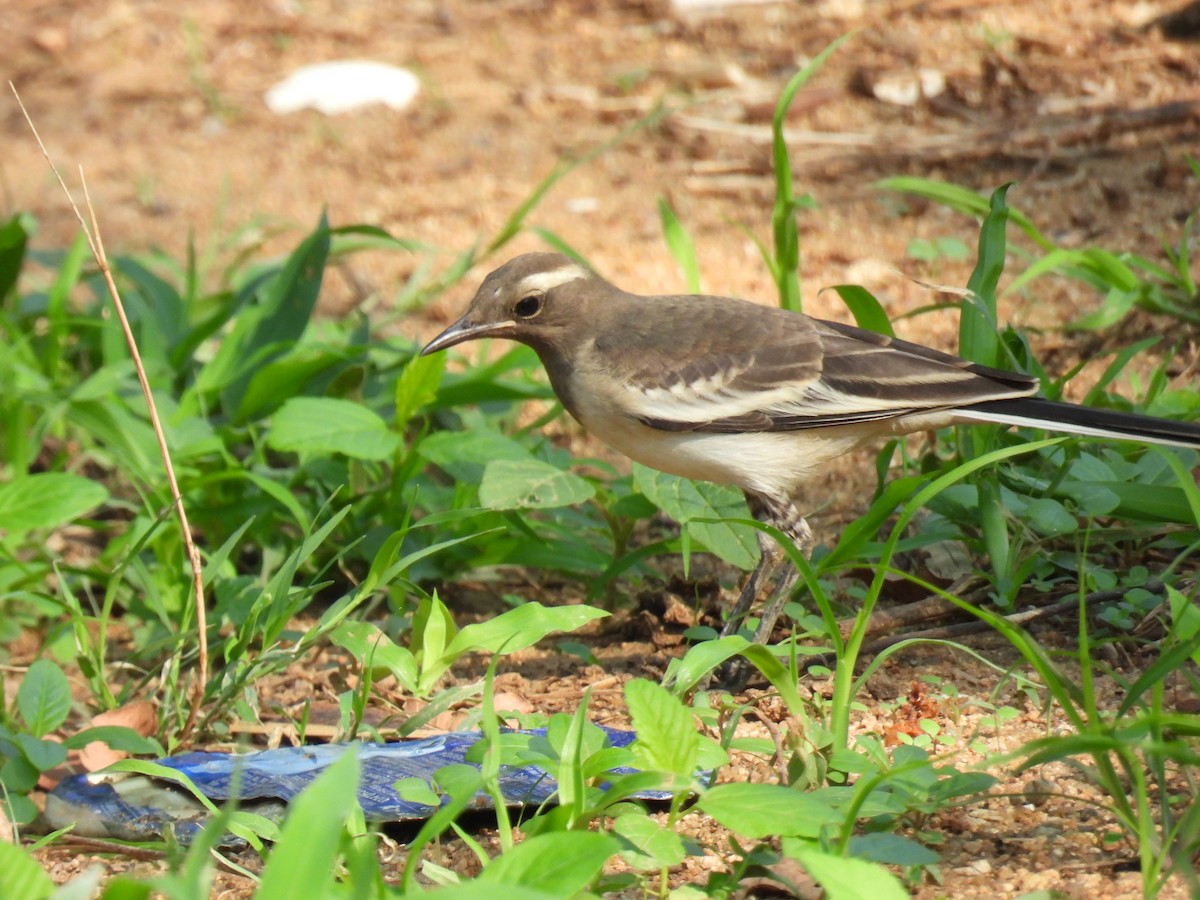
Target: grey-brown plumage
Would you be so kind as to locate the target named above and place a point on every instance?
(732, 392)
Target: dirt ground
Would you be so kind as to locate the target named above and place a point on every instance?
(1086, 105)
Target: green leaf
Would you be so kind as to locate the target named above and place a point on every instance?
(560, 864)
(1115, 306)
(14, 238)
(372, 648)
(649, 845)
(286, 377)
(42, 755)
(679, 242)
(890, 848)
(1092, 499)
(24, 878)
(158, 311)
(1186, 620)
(270, 329)
(43, 698)
(464, 455)
(684, 500)
(844, 878)
(417, 386)
(667, 740)
(417, 790)
(303, 863)
(117, 737)
(17, 775)
(760, 811)
(520, 627)
(960, 199)
(47, 500)
(785, 264)
(315, 426)
(977, 337)
(1049, 517)
(867, 311)
(1150, 502)
(530, 484)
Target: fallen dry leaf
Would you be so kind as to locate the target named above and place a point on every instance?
(140, 715)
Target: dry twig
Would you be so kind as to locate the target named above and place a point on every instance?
(97, 247)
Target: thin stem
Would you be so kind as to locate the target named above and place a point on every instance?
(96, 244)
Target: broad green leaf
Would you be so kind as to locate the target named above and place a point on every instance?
(42, 755)
(286, 304)
(520, 627)
(667, 739)
(1049, 517)
(118, 737)
(1151, 502)
(315, 426)
(47, 500)
(157, 310)
(1092, 499)
(303, 863)
(372, 648)
(530, 484)
(649, 845)
(124, 434)
(417, 386)
(464, 454)
(18, 775)
(43, 697)
(760, 811)
(844, 878)
(417, 790)
(684, 500)
(685, 674)
(557, 863)
(893, 849)
(285, 377)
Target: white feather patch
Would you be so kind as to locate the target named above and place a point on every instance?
(711, 399)
(545, 281)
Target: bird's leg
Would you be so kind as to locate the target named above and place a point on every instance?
(782, 514)
(768, 562)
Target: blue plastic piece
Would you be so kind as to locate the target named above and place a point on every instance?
(139, 808)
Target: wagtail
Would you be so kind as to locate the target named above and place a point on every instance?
(732, 392)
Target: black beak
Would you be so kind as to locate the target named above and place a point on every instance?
(465, 330)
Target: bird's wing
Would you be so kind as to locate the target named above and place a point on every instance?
(793, 373)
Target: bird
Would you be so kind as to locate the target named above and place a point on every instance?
(733, 392)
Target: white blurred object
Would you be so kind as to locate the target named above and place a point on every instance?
(338, 87)
(908, 88)
(688, 7)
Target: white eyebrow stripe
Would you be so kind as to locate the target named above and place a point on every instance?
(545, 281)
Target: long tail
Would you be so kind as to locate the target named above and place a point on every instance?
(1083, 420)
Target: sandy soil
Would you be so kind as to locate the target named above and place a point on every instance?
(1088, 108)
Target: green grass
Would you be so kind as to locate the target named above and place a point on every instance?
(333, 476)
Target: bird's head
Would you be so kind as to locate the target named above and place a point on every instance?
(534, 299)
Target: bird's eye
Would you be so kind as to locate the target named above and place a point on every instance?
(528, 307)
